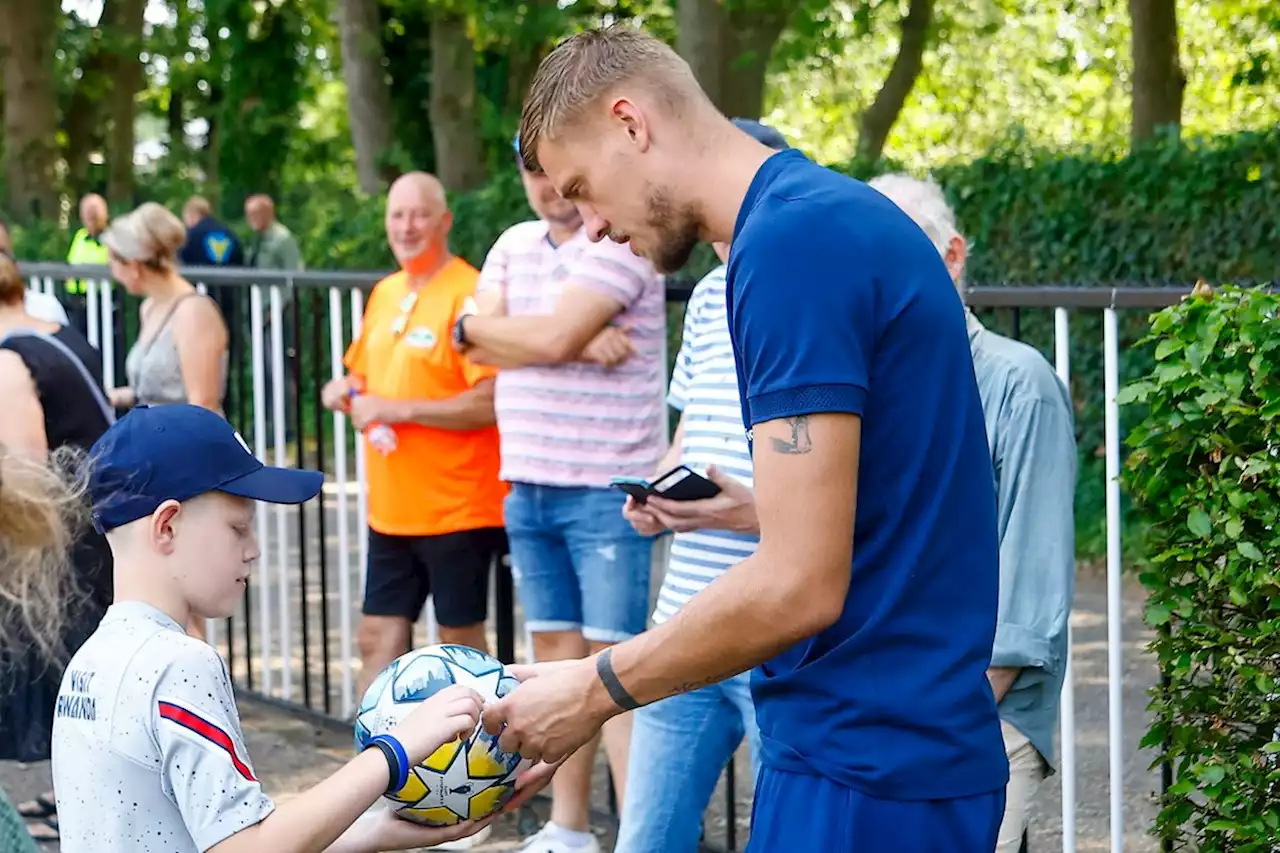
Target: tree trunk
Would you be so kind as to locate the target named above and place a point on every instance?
(542, 21)
(368, 95)
(30, 106)
(729, 49)
(82, 119)
(212, 184)
(753, 31)
(879, 118)
(175, 118)
(454, 123)
(1158, 80)
(702, 40)
(125, 45)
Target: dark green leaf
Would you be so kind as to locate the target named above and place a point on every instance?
(1198, 523)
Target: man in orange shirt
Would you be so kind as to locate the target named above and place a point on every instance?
(435, 500)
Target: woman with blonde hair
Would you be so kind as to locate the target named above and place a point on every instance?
(39, 515)
(180, 355)
(51, 384)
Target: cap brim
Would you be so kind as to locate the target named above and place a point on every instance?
(276, 485)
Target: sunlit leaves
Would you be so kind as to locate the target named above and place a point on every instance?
(1210, 490)
(1052, 75)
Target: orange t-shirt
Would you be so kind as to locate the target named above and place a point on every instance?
(434, 480)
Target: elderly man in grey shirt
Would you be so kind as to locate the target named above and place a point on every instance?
(1031, 433)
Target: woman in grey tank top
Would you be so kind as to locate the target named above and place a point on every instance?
(181, 352)
(180, 355)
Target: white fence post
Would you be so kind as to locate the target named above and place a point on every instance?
(1067, 712)
(346, 649)
(1115, 611)
(281, 517)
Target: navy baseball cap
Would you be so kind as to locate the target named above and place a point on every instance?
(762, 133)
(178, 452)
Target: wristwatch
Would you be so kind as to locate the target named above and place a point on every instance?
(460, 341)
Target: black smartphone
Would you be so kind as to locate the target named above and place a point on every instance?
(682, 484)
(637, 487)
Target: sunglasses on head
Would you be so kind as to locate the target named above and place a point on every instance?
(407, 305)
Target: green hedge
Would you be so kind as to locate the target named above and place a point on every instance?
(1205, 477)
(1168, 212)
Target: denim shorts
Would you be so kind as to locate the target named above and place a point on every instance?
(577, 563)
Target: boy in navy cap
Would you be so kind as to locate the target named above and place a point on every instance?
(147, 748)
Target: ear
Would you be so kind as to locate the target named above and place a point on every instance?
(164, 524)
(957, 254)
(446, 221)
(634, 122)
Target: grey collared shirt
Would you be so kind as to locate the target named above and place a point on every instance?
(1031, 432)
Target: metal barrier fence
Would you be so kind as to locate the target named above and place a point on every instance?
(288, 332)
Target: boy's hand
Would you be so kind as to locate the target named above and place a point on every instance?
(382, 830)
(450, 714)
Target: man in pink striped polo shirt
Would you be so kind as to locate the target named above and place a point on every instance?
(579, 329)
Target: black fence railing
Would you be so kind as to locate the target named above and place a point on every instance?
(291, 643)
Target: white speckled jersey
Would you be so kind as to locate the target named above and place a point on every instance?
(148, 754)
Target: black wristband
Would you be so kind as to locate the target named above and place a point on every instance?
(398, 771)
(618, 693)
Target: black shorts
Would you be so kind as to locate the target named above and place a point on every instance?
(454, 568)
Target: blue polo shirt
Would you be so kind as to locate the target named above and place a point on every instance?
(838, 302)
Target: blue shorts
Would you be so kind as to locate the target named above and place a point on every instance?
(811, 814)
(577, 563)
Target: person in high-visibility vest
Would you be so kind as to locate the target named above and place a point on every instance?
(85, 249)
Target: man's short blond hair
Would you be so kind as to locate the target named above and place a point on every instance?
(589, 65)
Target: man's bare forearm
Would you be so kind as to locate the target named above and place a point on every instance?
(791, 588)
(743, 618)
(472, 409)
(671, 458)
(479, 355)
(521, 341)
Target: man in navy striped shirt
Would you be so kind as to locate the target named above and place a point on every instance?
(691, 737)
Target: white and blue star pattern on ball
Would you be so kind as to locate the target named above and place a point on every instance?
(463, 780)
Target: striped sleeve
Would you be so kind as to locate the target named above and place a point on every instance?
(493, 273)
(613, 270)
(681, 373)
(204, 765)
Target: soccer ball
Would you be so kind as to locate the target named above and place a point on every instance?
(463, 780)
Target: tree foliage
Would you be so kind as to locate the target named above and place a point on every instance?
(1203, 472)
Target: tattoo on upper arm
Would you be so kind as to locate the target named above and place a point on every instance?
(800, 442)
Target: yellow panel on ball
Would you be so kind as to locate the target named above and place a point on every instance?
(413, 791)
(440, 760)
(481, 762)
(489, 801)
(437, 816)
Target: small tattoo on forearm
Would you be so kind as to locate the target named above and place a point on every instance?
(800, 441)
(690, 686)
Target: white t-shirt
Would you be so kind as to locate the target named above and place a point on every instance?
(42, 306)
(148, 754)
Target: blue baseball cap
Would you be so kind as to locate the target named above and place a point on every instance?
(178, 452)
(762, 133)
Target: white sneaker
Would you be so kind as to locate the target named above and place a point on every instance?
(548, 840)
(466, 843)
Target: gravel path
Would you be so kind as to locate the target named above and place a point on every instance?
(291, 754)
